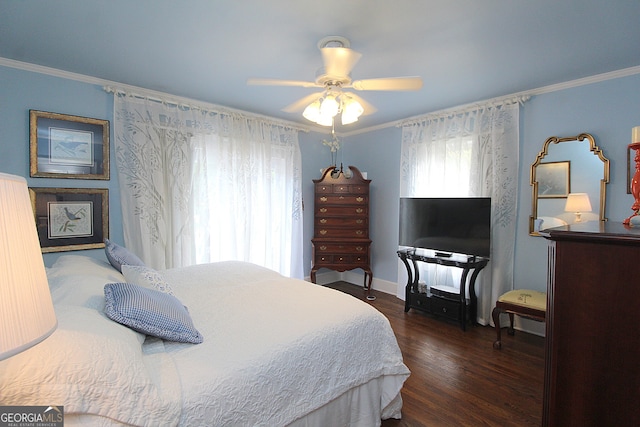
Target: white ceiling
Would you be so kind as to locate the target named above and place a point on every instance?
(465, 50)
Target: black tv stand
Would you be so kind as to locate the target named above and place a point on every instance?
(439, 301)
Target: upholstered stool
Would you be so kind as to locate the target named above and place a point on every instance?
(523, 302)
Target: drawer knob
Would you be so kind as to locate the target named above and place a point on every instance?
(444, 309)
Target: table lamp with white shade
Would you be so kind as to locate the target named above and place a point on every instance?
(578, 203)
(27, 316)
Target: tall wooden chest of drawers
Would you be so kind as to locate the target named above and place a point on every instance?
(341, 225)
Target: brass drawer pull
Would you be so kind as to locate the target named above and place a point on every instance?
(323, 210)
(359, 232)
(323, 248)
(359, 221)
(359, 248)
(359, 210)
(359, 199)
(323, 221)
(323, 232)
(323, 199)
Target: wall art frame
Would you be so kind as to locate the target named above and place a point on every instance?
(65, 146)
(554, 179)
(71, 219)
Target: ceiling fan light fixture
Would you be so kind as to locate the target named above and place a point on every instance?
(312, 112)
(351, 110)
(325, 120)
(329, 106)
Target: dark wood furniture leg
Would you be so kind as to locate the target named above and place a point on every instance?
(511, 310)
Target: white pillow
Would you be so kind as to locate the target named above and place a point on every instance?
(146, 277)
(79, 281)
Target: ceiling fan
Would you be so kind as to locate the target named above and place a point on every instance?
(322, 107)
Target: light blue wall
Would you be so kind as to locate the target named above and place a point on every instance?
(608, 110)
(21, 91)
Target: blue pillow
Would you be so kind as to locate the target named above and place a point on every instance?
(150, 312)
(118, 255)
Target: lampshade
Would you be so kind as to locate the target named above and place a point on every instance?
(26, 311)
(329, 106)
(351, 110)
(578, 203)
(312, 112)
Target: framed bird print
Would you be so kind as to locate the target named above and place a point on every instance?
(71, 219)
(64, 146)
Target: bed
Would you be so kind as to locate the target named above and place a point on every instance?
(275, 351)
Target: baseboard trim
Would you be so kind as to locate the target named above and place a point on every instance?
(355, 278)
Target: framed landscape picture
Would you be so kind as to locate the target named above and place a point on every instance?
(553, 180)
(63, 146)
(70, 219)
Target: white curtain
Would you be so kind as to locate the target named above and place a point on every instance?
(472, 153)
(199, 186)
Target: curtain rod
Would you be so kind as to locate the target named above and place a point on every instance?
(494, 103)
(205, 107)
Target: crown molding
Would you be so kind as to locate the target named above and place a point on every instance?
(625, 72)
(111, 86)
(26, 66)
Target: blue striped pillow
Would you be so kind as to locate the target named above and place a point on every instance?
(150, 312)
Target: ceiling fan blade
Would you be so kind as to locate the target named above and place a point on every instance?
(338, 61)
(278, 82)
(368, 108)
(390, 83)
(301, 104)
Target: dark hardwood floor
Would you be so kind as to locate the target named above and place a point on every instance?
(457, 378)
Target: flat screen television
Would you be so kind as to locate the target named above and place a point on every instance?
(447, 225)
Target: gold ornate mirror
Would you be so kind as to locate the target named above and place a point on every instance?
(568, 183)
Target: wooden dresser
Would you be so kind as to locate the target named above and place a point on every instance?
(592, 364)
(341, 225)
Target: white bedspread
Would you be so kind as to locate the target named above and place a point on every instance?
(275, 349)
